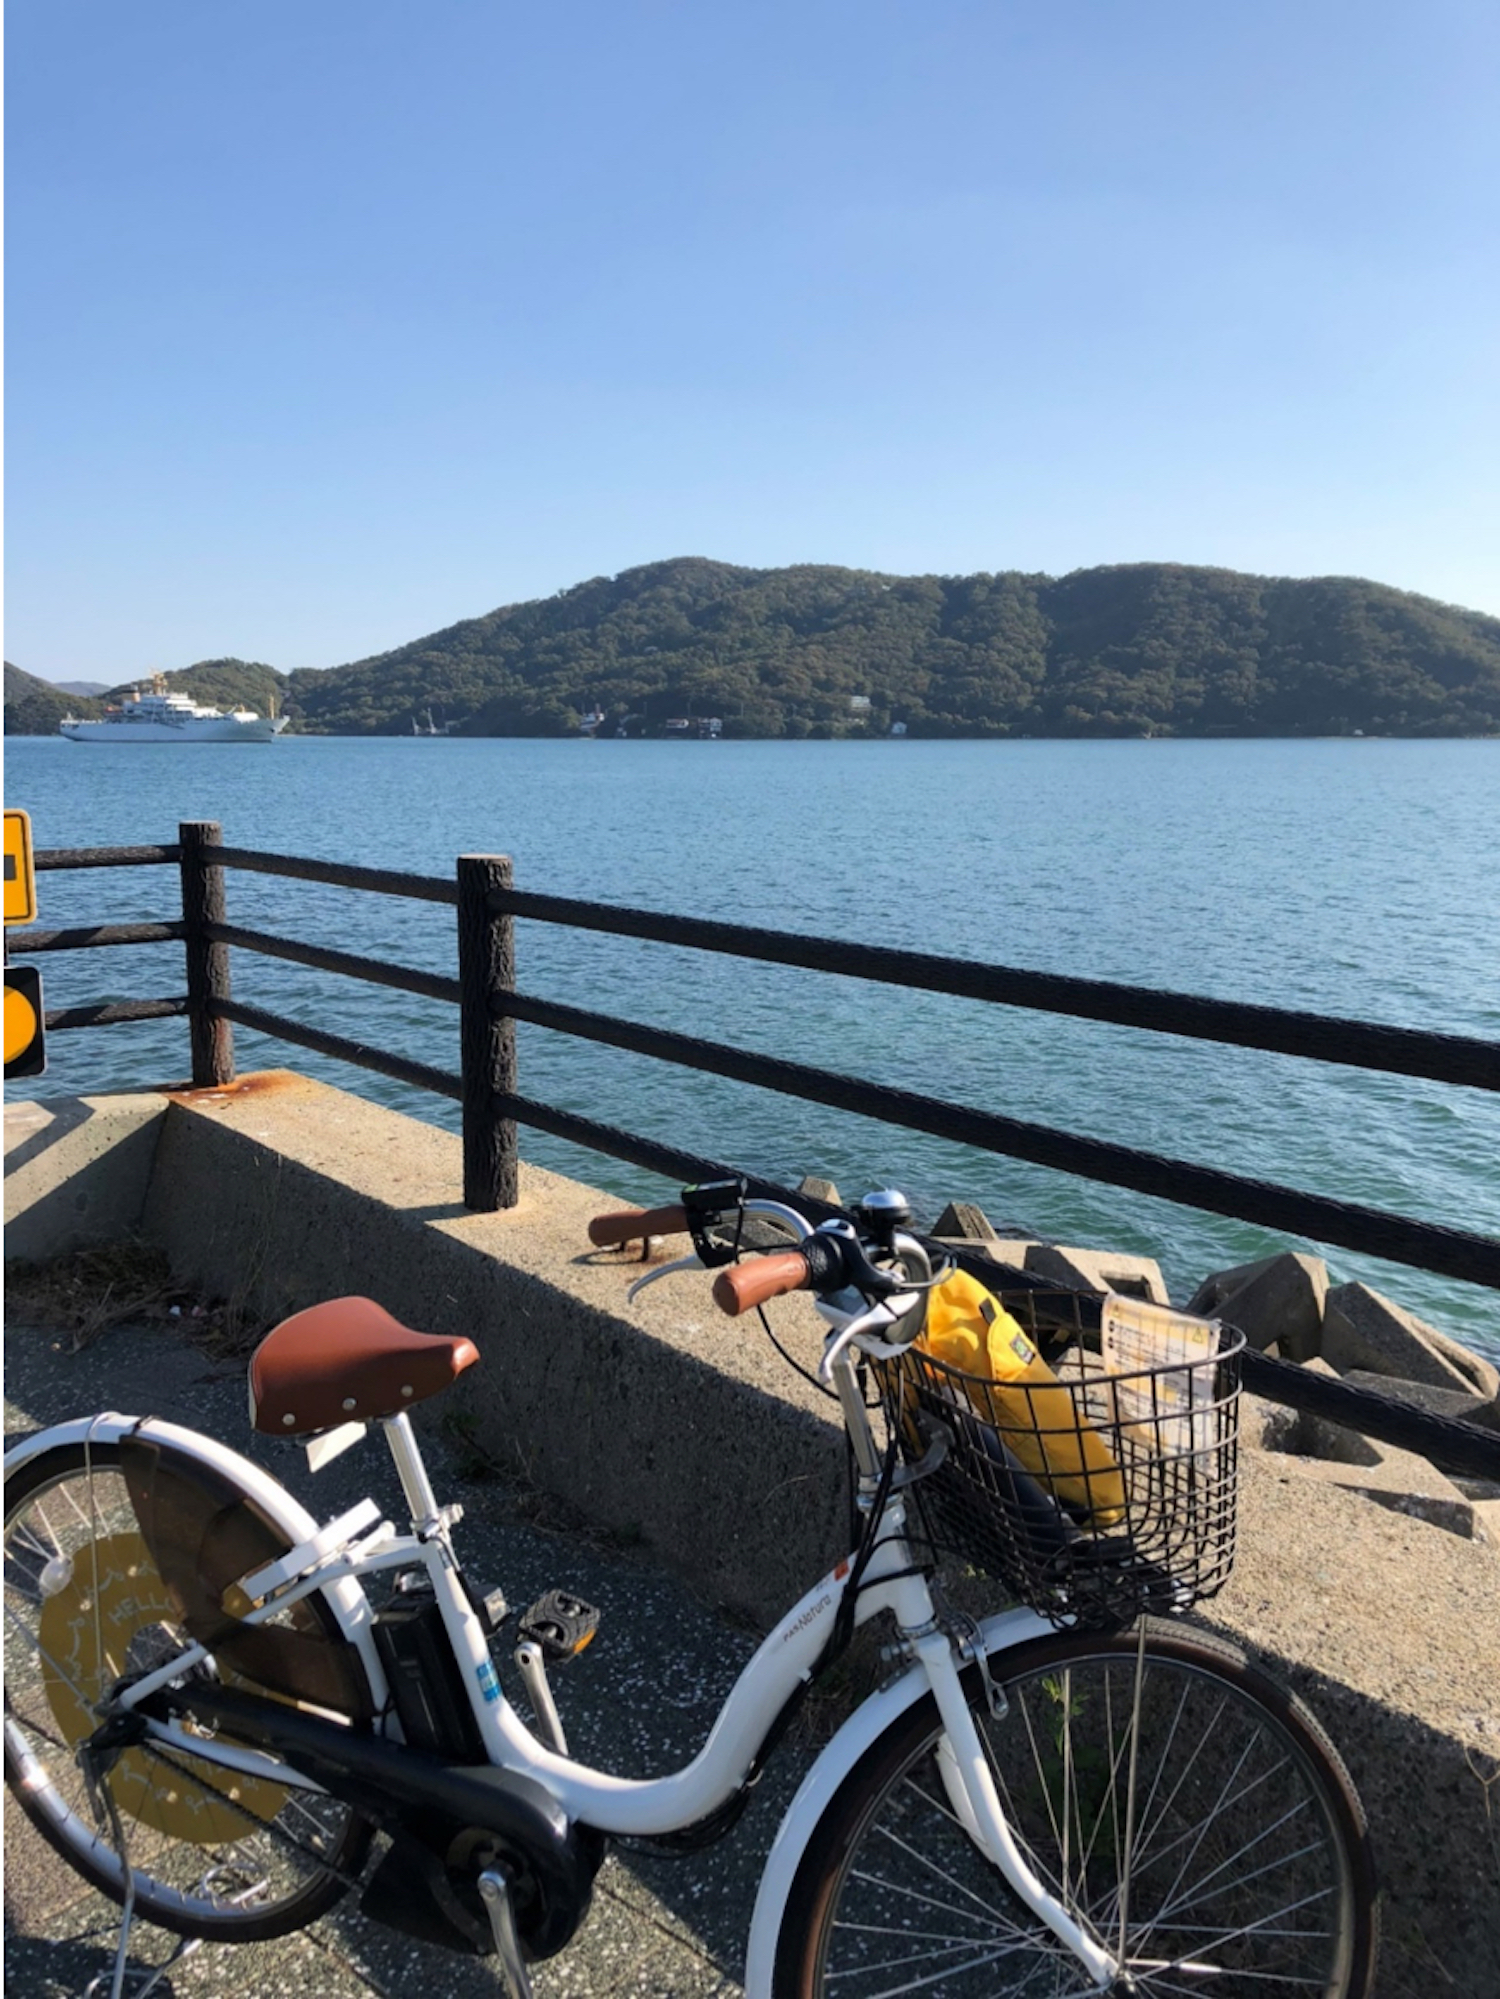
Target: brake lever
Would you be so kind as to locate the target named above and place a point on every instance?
(888, 1311)
(692, 1261)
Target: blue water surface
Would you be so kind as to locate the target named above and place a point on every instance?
(1352, 877)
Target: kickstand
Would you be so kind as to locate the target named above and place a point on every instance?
(127, 1985)
(515, 1979)
(121, 1984)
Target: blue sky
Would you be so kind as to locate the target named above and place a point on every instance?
(330, 322)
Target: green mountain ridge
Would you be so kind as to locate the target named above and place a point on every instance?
(813, 650)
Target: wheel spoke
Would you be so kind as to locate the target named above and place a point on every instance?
(1151, 1788)
(212, 1852)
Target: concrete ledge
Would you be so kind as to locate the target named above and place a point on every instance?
(661, 1420)
(77, 1170)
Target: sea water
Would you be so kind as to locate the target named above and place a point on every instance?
(1353, 877)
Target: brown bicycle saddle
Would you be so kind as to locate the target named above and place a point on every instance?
(347, 1361)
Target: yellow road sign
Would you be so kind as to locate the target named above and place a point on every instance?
(20, 876)
(25, 1044)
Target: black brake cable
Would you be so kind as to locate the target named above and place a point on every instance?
(791, 1360)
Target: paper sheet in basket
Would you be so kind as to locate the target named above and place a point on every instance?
(1171, 1410)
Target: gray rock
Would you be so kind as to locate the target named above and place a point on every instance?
(820, 1190)
(1008, 1256)
(1407, 1484)
(1099, 1270)
(1483, 1494)
(1363, 1329)
(1277, 1300)
(1269, 1426)
(1335, 1443)
(964, 1226)
(961, 1221)
(1417, 1394)
(967, 1227)
(1482, 1375)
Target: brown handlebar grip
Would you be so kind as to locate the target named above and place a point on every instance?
(633, 1224)
(744, 1285)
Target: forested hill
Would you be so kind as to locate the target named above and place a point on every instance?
(1145, 648)
(1138, 649)
(35, 707)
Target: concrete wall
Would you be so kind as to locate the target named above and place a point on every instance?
(660, 1419)
(77, 1170)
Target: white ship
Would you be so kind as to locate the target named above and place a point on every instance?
(152, 715)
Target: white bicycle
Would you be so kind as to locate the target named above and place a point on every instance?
(226, 1716)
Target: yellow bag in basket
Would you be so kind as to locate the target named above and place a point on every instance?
(969, 1329)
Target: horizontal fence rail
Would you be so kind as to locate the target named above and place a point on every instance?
(87, 937)
(398, 1067)
(51, 859)
(1453, 1252)
(488, 905)
(405, 978)
(111, 1012)
(379, 881)
(1399, 1051)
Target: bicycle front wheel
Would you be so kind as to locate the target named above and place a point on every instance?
(1187, 1812)
(214, 1855)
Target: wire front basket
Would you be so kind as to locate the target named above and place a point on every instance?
(1093, 1495)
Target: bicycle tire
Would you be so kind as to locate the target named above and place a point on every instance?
(1249, 1869)
(213, 1856)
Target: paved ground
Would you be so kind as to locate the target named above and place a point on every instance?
(1388, 1626)
(639, 1701)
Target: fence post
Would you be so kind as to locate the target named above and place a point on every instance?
(487, 1041)
(207, 962)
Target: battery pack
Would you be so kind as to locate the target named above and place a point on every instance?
(427, 1686)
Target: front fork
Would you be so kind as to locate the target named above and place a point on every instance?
(969, 1782)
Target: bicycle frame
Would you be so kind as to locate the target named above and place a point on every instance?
(626, 1806)
(336, 1559)
(775, 1676)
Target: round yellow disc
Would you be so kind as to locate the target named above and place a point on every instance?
(21, 1023)
(114, 1595)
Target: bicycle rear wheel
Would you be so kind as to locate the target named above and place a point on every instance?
(1187, 1811)
(214, 1855)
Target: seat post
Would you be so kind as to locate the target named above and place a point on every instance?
(402, 1440)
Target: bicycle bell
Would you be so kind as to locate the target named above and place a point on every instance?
(883, 1213)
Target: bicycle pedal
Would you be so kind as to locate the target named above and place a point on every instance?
(560, 1624)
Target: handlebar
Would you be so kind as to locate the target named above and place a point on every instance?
(870, 1255)
(825, 1263)
(742, 1286)
(633, 1224)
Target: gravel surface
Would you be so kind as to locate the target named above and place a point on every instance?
(640, 1701)
(1389, 1628)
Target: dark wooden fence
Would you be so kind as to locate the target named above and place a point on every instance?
(487, 1086)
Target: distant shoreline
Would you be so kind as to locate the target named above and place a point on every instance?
(294, 734)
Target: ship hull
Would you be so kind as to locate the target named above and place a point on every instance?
(191, 729)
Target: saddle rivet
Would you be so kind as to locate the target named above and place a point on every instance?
(407, 1393)
(288, 1420)
(349, 1402)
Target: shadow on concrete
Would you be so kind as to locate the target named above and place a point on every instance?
(54, 1968)
(1433, 1809)
(68, 1114)
(441, 1211)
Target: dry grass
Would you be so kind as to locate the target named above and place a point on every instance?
(88, 1291)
